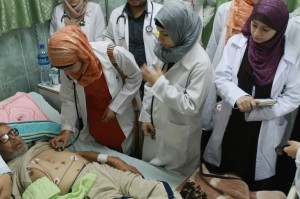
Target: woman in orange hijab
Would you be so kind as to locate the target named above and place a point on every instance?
(104, 101)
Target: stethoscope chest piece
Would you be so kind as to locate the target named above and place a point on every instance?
(149, 28)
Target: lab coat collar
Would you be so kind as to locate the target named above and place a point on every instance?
(240, 42)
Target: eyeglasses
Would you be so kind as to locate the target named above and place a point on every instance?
(6, 136)
(76, 67)
(64, 67)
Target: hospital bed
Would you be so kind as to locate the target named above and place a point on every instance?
(23, 108)
(19, 108)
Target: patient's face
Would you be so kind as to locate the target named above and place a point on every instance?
(14, 147)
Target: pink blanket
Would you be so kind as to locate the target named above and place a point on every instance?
(20, 107)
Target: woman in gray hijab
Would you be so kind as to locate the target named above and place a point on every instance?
(176, 89)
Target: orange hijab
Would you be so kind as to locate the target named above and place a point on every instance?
(237, 16)
(75, 12)
(70, 45)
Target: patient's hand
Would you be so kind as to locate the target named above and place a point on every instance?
(63, 137)
(121, 165)
(5, 186)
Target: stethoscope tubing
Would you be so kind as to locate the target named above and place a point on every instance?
(148, 28)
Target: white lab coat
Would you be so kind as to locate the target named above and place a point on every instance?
(122, 95)
(292, 33)
(179, 96)
(285, 89)
(3, 167)
(118, 33)
(292, 38)
(216, 40)
(94, 21)
(214, 50)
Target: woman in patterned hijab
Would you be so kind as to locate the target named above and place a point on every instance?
(75, 10)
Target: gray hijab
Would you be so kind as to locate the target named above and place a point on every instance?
(183, 27)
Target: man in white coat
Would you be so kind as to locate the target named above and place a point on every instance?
(87, 15)
(132, 27)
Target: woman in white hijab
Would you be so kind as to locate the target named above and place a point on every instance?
(87, 15)
(175, 91)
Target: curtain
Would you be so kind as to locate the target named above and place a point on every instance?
(292, 4)
(24, 13)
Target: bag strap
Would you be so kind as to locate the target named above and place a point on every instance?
(137, 136)
(110, 49)
(110, 53)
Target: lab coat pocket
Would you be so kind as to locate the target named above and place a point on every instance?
(176, 136)
(278, 131)
(271, 135)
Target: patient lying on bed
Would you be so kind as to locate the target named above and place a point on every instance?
(66, 168)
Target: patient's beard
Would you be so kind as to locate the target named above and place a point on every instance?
(8, 156)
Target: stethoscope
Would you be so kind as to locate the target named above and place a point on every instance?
(82, 23)
(151, 109)
(79, 124)
(148, 28)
